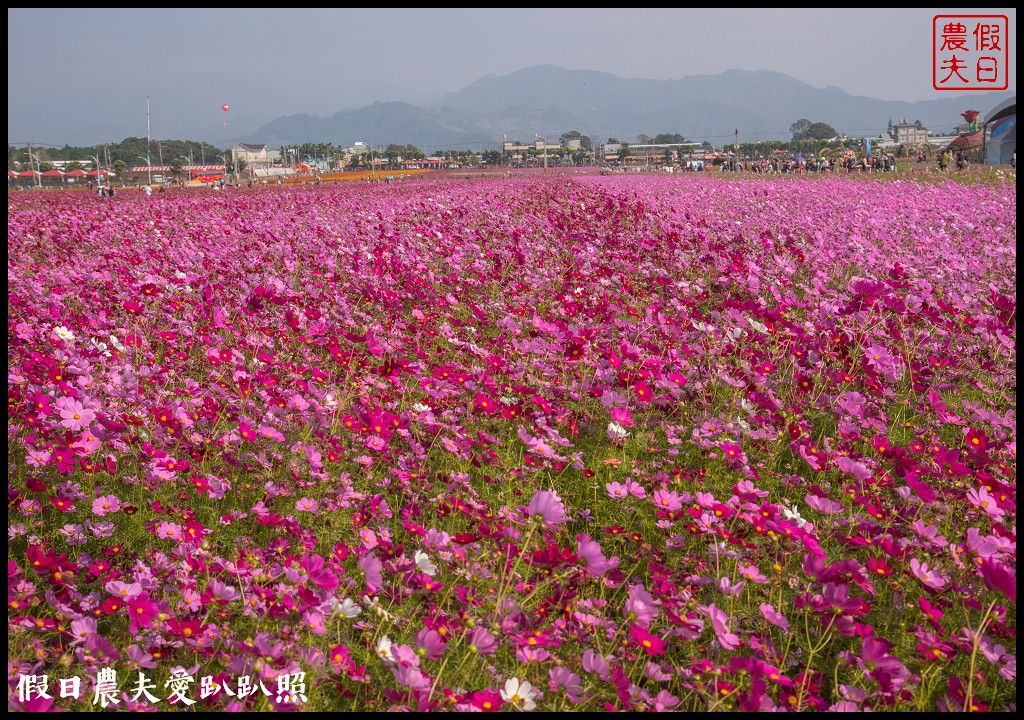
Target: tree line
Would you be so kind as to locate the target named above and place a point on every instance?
(808, 138)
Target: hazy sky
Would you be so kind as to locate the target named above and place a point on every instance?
(82, 76)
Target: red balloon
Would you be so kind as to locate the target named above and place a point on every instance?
(225, 107)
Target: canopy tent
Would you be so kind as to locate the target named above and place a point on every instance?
(11, 173)
(54, 173)
(29, 173)
(97, 173)
(195, 169)
(77, 172)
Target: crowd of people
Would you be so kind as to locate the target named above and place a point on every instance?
(850, 163)
(947, 159)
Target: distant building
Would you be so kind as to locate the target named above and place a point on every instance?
(906, 133)
(252, 155)
(610, 150)
(514, 146)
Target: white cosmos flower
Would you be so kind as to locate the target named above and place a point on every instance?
(793, 514)
(423, 563)
(759, 326)
(63, 333)
(116, 343)
(519, 694)
(616, 429)
(346, 607)
(420, 407)
(383, 648)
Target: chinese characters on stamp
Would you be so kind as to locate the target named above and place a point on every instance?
(970, 52)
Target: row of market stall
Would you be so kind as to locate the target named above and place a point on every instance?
(51, 176)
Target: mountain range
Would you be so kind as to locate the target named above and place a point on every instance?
(546, 101)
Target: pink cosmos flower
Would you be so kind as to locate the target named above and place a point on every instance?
(667, 500)
(616, 489)
(651, 644)
(314, 621)
(726, 587)
(169, 530)
(223, 593)
(641, 608)
(547, 507)
(774, 616)
(636, 489)
(751, 573)
(567, 680)
(371, 567)
(482, 641)
(87, 443)
(123, 590)
(929, 533)
(306, 505)
(368, 537)
(270, 432)
(664, 701)
(74, 415)
(823, 504)
(105, 505)
(532, 655)
(141, 611)
(929, 578)
(622, 416)
(591, 557)
(999, 577)
(431, 644)
(980, 497)
(376, 442)
(719, 621)
(38, 458)
(595, 664)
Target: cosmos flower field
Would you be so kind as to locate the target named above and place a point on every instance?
(553, 443)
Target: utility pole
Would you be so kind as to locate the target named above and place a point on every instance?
(736, 147)
(149, 142)
(33, 157)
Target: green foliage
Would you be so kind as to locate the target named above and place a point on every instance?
(804, 129)
(669, 139)
(585, 142)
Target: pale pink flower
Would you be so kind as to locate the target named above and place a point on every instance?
(76, 416)
(105, 505)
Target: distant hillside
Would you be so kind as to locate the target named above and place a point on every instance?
(547, 100)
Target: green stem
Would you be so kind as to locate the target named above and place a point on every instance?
(515, 567)
(969, 698)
